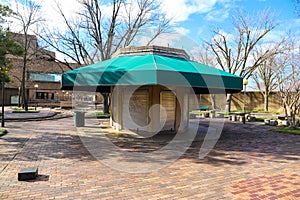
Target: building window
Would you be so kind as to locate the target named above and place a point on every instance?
(44, 95)
(44, 77)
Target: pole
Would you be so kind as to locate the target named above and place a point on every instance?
(2, 113)
(245, 99)
(35, 98)
(244, 118)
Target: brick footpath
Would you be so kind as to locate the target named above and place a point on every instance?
(248, 162)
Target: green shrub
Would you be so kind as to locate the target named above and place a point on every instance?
(3, 132)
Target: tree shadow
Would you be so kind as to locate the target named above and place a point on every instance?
(254, 141)
(236, 140)
(238, 144)
(44, 146)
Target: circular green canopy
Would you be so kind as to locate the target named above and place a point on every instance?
(151, 69)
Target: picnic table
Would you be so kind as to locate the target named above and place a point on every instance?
(241, 115)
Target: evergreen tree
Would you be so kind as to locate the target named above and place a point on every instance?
(7, 47)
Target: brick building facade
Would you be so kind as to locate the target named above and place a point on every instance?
(42, 76)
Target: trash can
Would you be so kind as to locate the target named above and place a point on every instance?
(79, 118)
(243, 119)
(212, 114)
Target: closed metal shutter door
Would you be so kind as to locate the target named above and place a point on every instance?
(138, 110)
(168, 101)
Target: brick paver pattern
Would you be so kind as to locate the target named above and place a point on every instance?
(248, 162)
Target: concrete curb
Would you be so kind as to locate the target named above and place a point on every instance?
(42, 118)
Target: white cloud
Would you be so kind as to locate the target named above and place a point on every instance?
(228, 36)
(48, 11)
(173, 40)
(180, 10)
(165, 39)
(218, 15)
(177, 10)
(274, 36)
(181, 30)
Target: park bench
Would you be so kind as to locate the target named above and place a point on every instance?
(203, 108)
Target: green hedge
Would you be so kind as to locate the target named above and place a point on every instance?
(97, 115)
(3, 132)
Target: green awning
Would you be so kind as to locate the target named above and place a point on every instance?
(151, 69)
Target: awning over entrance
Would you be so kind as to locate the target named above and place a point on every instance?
(151, 69)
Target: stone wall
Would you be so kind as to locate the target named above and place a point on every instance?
(254, 101)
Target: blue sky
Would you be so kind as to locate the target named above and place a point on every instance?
(194, 19)
(199, 25)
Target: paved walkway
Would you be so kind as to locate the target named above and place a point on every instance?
(44, 113)
(248, 162)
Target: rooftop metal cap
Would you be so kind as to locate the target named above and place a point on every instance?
(160, 50)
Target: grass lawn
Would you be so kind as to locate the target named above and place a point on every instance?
(295, 131)
(260, 119)
(21, 110)
(97, 115)
(3, 132)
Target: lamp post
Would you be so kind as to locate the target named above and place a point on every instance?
(245, 83)
(67, 96)
(36, 86)
(63, 95)
(2, 112)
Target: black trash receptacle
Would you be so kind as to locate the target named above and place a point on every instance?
(244, 119)
(79, 118)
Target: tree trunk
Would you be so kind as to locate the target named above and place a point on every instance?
(105, 103)
(286, 111)
(19, 97)
(23, 82)
(266, 97)
(213, 101)
(228, 102)
(23, 91)
(293, 118)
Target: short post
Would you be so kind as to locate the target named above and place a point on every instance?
(36, 87)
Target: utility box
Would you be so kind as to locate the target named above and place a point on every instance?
(27, 174)
(79, 118)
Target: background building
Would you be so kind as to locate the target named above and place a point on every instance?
(43, 76)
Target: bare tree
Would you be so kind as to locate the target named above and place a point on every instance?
(27, 16)
(205, 56)
(289, 88)
(233, 51)
(265, 76)
(94, 36)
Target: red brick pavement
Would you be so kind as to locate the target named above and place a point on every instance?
(248, 162)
